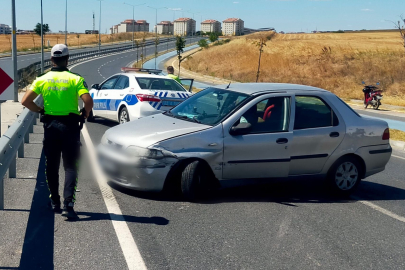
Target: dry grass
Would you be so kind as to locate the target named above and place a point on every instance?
(397, 135)
(33, 42)
(336, 62)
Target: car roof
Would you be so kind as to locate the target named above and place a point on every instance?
(259, 88)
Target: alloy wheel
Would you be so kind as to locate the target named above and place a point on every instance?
(346, 176)
(123, 117)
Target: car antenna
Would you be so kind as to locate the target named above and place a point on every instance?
(228, 85)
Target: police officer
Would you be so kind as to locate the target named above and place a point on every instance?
(170, 74)
(61, 90)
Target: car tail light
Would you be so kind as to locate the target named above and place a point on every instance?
(147, 98)
(386, 135)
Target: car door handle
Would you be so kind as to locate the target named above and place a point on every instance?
(121, 95)
(334, 134)
(105, 94)
(282, 141)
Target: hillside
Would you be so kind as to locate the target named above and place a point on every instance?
(338, 62)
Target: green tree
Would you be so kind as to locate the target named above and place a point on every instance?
(203, 43)
(45, 29)
(180, 45)
(213, 37)
(259, 44)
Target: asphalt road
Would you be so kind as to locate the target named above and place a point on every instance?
(24, 60)
(293, 225)
(287, 225)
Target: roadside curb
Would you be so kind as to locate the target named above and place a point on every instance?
(399, 145)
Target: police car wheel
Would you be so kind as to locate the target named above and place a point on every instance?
(123, 116)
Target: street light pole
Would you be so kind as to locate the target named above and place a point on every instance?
(99, 29)
(42, 39)
(14, 54)
(66, 24)
(133, 22)
(156, 37)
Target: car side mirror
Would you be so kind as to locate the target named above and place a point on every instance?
(95, 86)
(241, 129)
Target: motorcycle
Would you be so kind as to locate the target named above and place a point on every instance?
(372, 96)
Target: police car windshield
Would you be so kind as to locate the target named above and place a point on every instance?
(208, 107)
(159, 84)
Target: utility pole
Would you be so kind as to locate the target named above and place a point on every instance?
(66, 24)
(42, 39)
(14, 51)
(94, 23)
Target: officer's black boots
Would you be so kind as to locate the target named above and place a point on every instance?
(69, 212)
(55, 205)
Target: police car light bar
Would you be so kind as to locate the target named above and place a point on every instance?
(147, 70)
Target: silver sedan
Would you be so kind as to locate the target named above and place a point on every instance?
(247, 132)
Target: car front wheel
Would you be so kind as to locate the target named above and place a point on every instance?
(192, 179)
(123, 116)
(345, 176)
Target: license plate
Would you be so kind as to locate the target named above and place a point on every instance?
(170, 103)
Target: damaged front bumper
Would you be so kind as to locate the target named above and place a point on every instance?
(134, 172)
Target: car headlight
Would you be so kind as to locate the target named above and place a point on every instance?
(140, 152)
(104, 140)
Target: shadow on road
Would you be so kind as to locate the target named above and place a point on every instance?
(286, 192)
(106, 216)
(38, 247)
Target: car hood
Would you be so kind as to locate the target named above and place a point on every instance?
(149, 130)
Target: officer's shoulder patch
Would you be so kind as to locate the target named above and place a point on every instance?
(85, 84)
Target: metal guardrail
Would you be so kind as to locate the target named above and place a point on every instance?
(12, 144)
(27, 73)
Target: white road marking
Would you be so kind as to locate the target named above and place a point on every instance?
(129, 248)
(398, 157)
(380, 209)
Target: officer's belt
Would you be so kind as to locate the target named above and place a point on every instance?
(71, 119)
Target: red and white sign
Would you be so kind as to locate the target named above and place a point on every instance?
(6, 83)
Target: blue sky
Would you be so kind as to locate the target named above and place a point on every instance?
(284, 15)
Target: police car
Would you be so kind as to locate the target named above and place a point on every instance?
(136, 93)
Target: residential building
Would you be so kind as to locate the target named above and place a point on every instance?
(5, 29)
(184, 27)
(233, 27)
(212, 26)
(130, 26)
(165, 28)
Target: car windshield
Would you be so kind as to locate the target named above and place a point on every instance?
(159, 84)
(208, 107)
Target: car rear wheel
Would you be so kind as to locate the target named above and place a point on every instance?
(345, 176)
(123, 116)
(192, 180)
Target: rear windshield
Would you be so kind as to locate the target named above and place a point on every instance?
(159, 84)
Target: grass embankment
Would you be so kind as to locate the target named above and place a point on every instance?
(397, 135)
(336, 62)
(33, 42)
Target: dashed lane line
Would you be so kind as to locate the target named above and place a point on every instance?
(398, 157)
(380, 209)
(129, 248)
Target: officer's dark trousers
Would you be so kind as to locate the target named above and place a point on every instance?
(62, 138)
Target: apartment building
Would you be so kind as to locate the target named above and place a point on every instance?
(165, 28)
(5, 29)
(212, 26)
(233, 27)
(130, 26)
(184, 27)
